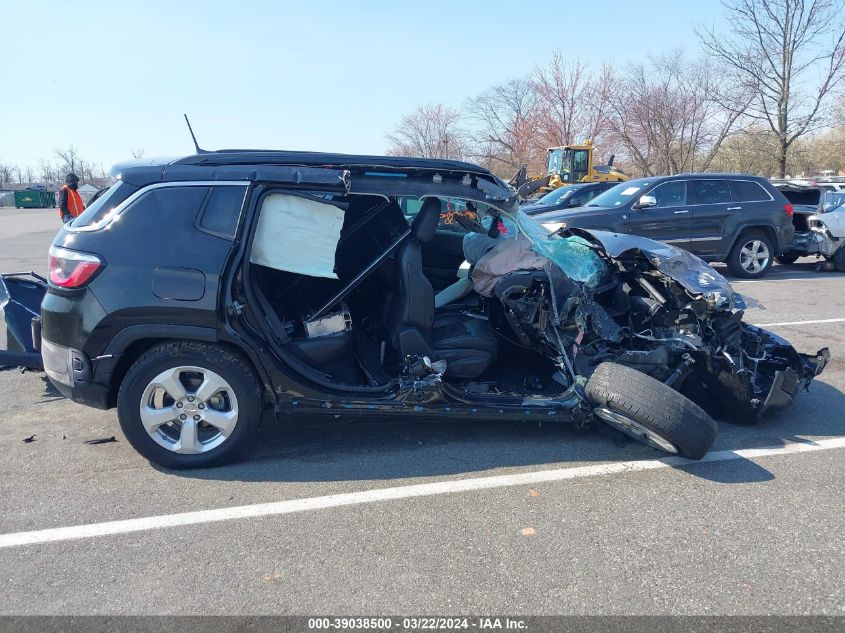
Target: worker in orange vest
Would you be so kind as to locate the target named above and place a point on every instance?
(70, 202)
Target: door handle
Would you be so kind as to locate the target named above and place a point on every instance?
(684, 211)
(734, 208)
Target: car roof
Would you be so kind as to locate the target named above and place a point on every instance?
(385, 175)
(323, 159)
(699, 176)
(239, 158)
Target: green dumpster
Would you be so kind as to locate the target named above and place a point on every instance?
(34, 199)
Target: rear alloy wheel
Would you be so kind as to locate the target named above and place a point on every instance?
(752, 256)
(644, 408)
(189, 405)
(189, 410)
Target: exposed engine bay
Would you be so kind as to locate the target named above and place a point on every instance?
(684, 330)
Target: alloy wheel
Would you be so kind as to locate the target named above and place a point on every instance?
(189, 410)
(634, 429)
(754, 256)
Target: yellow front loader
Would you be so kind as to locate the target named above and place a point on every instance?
(570, 164)
(567, 165)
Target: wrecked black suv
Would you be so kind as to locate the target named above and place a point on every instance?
(197, 293)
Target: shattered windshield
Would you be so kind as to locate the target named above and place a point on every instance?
(574, 255)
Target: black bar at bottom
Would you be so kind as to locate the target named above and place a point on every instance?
(400, 624)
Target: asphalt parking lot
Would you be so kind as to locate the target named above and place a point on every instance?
(503, 517)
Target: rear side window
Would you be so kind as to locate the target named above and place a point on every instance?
(104, 204)
(222, 210)
(708, 192)
(748, 191)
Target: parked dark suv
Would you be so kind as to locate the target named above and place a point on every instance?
(196, 294)
(739, 219)
(567, 197)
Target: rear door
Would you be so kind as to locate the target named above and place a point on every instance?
(711, 204)
(669, 221)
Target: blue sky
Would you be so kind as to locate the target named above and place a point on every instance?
(334, 76)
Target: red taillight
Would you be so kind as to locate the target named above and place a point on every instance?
(789, 209)
(71, 269)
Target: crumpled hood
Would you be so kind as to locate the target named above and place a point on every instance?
(691, 272)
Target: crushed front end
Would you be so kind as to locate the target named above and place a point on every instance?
(666, 313)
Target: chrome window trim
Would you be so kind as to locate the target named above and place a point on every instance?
(728, 180)
(119, 209)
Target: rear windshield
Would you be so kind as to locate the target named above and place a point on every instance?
(103, 204)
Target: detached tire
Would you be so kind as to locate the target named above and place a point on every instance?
(186, 404)
(751, 256)
(649, 411)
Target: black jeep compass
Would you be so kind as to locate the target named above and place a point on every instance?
(198, 293)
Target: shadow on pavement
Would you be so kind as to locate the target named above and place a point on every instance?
(319, 450)
(50, 392)
(803, 269)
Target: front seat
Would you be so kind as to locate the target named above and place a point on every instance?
(467, 344)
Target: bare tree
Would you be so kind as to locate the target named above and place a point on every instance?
(774, 48)
(29, 174)
(137, 152)
(47, 171)
(670, 115)
(571, 101)
(505, 119)
(430, 131)
(69, 160)
(6, 173)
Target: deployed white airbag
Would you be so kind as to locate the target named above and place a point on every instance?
(297, 235)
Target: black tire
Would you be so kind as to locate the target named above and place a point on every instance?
(735, 259)
(787, 259)
(839, 259)
(655, 406)
(230, 366)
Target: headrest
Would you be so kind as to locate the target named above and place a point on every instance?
(425, 224)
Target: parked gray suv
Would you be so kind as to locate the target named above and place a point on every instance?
(734, 218)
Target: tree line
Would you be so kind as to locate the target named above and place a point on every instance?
(54, 170)
(765, 97)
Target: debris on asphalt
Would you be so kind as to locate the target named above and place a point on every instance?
(533, 493)
(528, 531)
(28, 440)
(271, 577)
(101, 440)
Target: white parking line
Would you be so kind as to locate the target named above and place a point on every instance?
(390, 494)
(800, 322)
